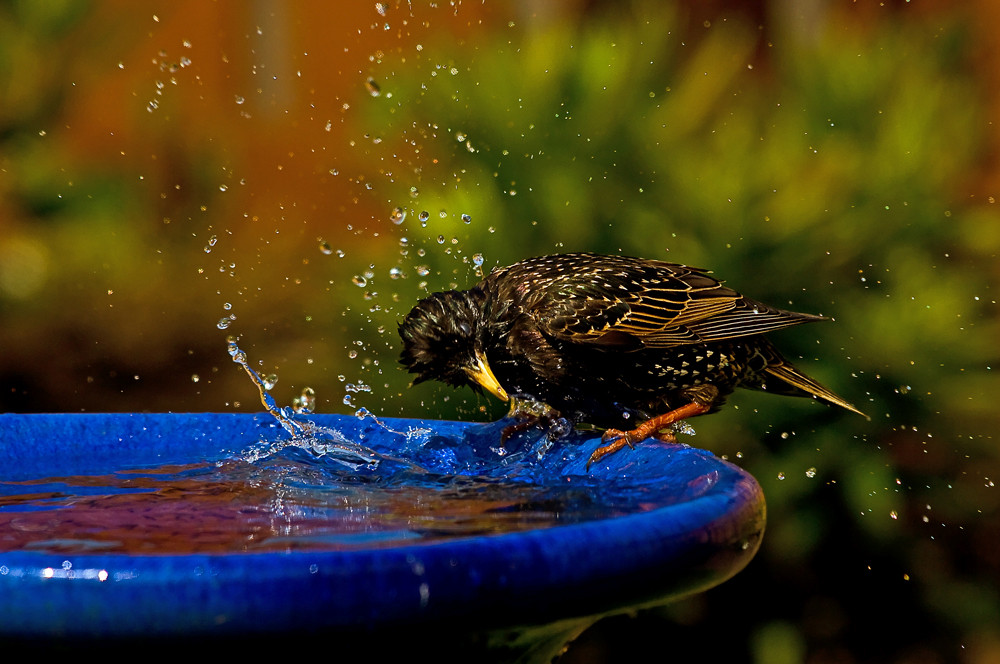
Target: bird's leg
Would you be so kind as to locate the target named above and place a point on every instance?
(529, 413)
(512, 430)
(647, 429)
(665, 436)
(701, 403)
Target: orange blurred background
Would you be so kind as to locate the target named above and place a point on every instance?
(173, 174)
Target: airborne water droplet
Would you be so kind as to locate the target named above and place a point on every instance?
(397, 216)
(305, 403)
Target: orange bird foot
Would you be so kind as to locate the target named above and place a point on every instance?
(652, 428)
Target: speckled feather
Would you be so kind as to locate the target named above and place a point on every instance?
(606, 339)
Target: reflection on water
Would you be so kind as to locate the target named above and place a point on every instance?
(365, 483)
(292, 500)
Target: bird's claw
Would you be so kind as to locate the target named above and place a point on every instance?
(611, 436)
(614, 440)
(512, 430)
(535, 414)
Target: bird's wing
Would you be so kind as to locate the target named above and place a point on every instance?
(653, 305)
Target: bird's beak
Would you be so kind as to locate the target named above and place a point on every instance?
(482, 374)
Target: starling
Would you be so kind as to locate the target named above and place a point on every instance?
(625, 344)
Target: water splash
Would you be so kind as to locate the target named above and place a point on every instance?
(319, 440)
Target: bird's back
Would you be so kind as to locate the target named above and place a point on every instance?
(645, 328)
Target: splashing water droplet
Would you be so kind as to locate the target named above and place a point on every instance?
(225, 321)
(811, 473)
(685, 428)
(270, 381)
(325, 247)
(373, 89)
(360, 281)
(781, 476)
(397, 216)
(467, 218)
(306, 403)
(235, 353)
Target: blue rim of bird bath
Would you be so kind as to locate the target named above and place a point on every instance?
(639, 528)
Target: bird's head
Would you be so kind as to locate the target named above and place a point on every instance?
(441, 342)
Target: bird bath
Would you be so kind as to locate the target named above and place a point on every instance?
(171, 529)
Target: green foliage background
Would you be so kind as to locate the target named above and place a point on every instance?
(840, 163)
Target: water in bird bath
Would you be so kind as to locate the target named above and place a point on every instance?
(292, 500)
(314, 483)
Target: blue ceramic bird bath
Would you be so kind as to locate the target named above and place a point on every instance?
(169, 529)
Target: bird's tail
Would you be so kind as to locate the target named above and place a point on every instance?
(783, 378)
